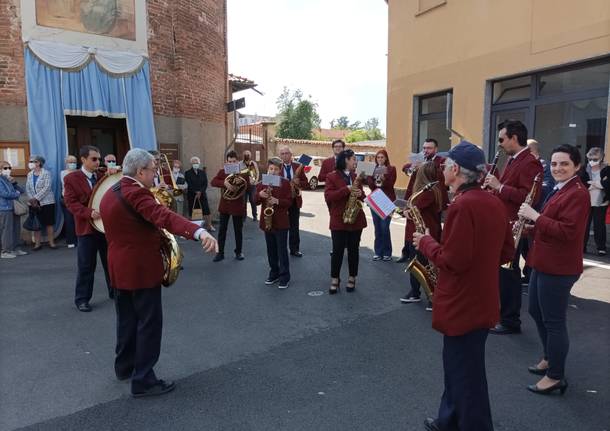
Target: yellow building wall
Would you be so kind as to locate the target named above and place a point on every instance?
(463, 44)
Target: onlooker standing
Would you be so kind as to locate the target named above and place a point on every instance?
(197, 184)
(9, 191)
(385, 181)
(254, 177)
(180, 184)
(69, 229)
(42, 200)
(597, 172)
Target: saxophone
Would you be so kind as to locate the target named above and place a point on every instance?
(296, 191)
(268, 212)
(427, 275)
(354, 205)
(518, 225)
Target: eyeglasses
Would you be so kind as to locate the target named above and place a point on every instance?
(33, 161)
(94, 159)
(110, 161)
(6, 168)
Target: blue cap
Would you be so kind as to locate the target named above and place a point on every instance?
(468, 156)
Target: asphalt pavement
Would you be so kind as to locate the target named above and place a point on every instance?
(247, 356)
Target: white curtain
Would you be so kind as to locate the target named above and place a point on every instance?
(64, 56)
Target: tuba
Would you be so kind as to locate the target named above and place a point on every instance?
(268, 212)
(425, 274)
(353, 205)
(239, 181)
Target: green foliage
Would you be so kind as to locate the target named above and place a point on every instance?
(297, 116)
(370, 132)
(342, 123)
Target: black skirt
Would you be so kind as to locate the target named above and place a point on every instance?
(46, 215)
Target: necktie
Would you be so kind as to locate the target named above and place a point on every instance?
(512, 159)
(288, 173)
(549, 196)
(92, 180)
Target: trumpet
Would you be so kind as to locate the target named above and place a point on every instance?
(164, 196)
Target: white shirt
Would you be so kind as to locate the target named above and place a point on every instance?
(88, 174)
(559, 186)
(287, 168)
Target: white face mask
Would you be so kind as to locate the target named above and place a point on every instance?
(71, 166)
(6, 172)
(31, 166)
(594, 163)
(195, 165)
(111, 164)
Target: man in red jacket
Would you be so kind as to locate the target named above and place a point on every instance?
(294, 172)
(77, 191)
(475, 241)
(132, 218)
(512, 188)
(328, 165)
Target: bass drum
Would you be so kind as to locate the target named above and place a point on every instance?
(101, 187)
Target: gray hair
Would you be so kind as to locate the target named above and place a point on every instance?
(468, 175)
(595, 152)
(135, 159)
(39, 159)
(197, 159)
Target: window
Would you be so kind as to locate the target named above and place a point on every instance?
(433, 113)
(426, 5)
(512, 90)
(589, 78)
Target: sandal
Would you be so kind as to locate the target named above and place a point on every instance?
(351, 284)
(36, 247)
(334, 287)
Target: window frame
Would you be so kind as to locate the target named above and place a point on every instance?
(418, 117)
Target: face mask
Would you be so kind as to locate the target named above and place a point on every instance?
(111, 164)
(195, 165)
(6, 172)
(594, 162)
(31, 166)
(71, 166)
(176, 170)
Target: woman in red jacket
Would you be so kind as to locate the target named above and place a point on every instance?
(340, 185)
(386, 181)
(430, 205)
(556, 262)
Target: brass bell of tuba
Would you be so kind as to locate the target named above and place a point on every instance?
(239, 181)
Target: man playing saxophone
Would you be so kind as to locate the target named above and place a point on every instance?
(275, 202)
(475, 241)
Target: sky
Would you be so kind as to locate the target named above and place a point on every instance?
(333, 50)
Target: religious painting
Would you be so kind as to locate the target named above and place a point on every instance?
(114, 18)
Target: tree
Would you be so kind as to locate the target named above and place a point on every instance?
(297, 116)
(370, 132)
(343, 123)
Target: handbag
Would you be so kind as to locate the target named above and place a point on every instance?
(19, 208)
(197, 213)
(32, 223)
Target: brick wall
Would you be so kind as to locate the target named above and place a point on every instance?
(12, 79)
(188, 56)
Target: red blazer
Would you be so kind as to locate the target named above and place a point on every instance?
(303, 183)
(280, 216)
(134, 257)
(328, 165)
(77, 192)
(517, 180)
(438, 161)
(426, 203)
(476, 240)
(388, 183)
(336, 193)
(560, 230)
(235, 207)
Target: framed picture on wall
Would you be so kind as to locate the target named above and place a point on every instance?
(17, 154)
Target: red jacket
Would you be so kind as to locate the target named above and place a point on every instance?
(134, 256)
(77, 192)
(328, 165)
(426, 203)
(235, 207)
(336, 193)
(438, 161)
(560, 230)
(280, 215)
(302, 181)
(388, 183)
(476, 240)
(517, 180)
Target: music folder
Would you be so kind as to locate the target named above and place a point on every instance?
(380, 203)
(271, 180)
(232, 168)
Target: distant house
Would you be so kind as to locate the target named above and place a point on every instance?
(330, 134)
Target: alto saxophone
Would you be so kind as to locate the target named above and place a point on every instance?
(427, 275)
(296, 191)
(268, 211)
(353, 205)
(518, 225)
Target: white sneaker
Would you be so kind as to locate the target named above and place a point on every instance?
(375, 257)
(283, 285)
(20, 252)
(7, 255)
(71, 245)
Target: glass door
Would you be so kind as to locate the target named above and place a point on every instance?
(497, 118)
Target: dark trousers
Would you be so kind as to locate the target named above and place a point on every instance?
(411, 252)
(238, 224)
(510, 294)
(343, 239)
(139, 325)
(548, 305)
(294, 239)
(251, 197)
(69, 227)
(277, 255)
(88, 248)
(597, 217)
(465, 402)
(383, 241)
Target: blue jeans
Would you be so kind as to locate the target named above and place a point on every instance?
(383, 242)
(548, 306)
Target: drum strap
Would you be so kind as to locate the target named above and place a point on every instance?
(117, 191)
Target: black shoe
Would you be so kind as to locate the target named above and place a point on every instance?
(500, 329)
(271, 280)
(161, 387)
(402, 259)
(296, 254)
(111, 294)
(561, 386)
(408, 299)
(239, 256)
(430, 425)
(429, 306)
(538, 371)
(218, 257)
(254, 218)
(123, 377)
(84, 307)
